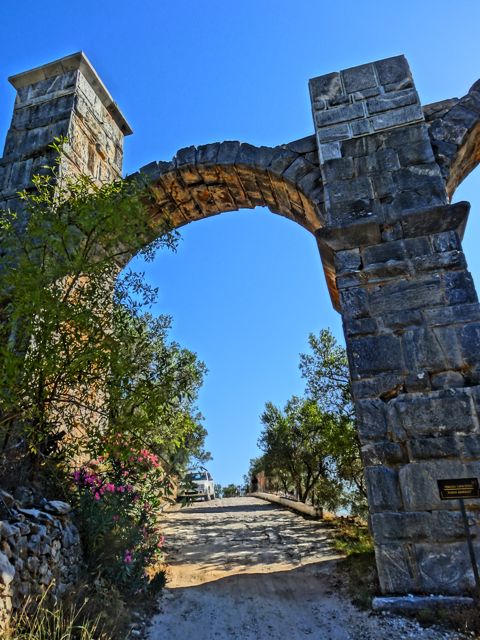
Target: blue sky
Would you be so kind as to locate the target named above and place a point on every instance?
(244, 289)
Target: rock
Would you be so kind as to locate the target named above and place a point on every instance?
(36, 514)
(57, 506)
(7, 530)
(7, 570)
(24, 496)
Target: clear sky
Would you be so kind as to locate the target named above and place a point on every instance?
(244, 289)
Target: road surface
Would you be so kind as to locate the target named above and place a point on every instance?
(244, 569)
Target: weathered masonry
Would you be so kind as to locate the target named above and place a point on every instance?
(373, 185)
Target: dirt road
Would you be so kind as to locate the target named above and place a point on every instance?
(244, 569)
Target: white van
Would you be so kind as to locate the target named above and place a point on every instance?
(198, 483)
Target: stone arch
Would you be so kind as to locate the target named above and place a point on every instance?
(373, 186)
(454, 128)
(207, 180)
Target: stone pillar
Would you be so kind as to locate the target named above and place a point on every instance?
(65, 98)
(411, 320)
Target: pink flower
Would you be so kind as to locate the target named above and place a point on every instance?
(97, 496)
(110, 487)
(127, 558)
(121, 489)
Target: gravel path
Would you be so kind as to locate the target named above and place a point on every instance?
(243, 569)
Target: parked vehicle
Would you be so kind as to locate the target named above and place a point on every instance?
(198, 483)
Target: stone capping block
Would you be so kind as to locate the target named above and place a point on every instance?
(425, 221)
(77, 61)
(414, 604)
(362, 100)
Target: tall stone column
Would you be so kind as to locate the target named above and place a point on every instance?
(65, 98)
(411, 319)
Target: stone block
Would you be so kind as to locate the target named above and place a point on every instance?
(351, 190)
(338, 169)
(227, 152)
(445, 567)
(392, 100)
(433, 349)
(402, 319)
(448, 260)
(418, 483)
(354, 303)
(383, 252)
(326, 87)
(416, 382)
(362, 326)
(383, 453)
(466, 447)
(359, 78)
(459, 288)
(377, 354)
(297, 170)
(383, 489)
(394, 71)
(333, 133)
(425, 291)
(360, 127)
(383, 160)
(396, 568)
(420, 525)
(416, 153)
(437, 413)
(304, 145)
(348, 260)
(385, 386)
(446, 241)
(329, 150)
(335, 115)
(397, 117)
(445, 315)
(470, 342)
(447, 380)
(435, 219)
(371, 418)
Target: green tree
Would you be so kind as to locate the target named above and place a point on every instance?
(78, 357)
(231, 491)
(325, 369)
(295, 443)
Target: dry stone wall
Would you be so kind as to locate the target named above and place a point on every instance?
(39, 549)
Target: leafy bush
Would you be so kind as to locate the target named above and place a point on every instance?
(118, 498)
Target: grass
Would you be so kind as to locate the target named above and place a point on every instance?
(85, 614)
(359, 573)
(55, 622)
(350, 535)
